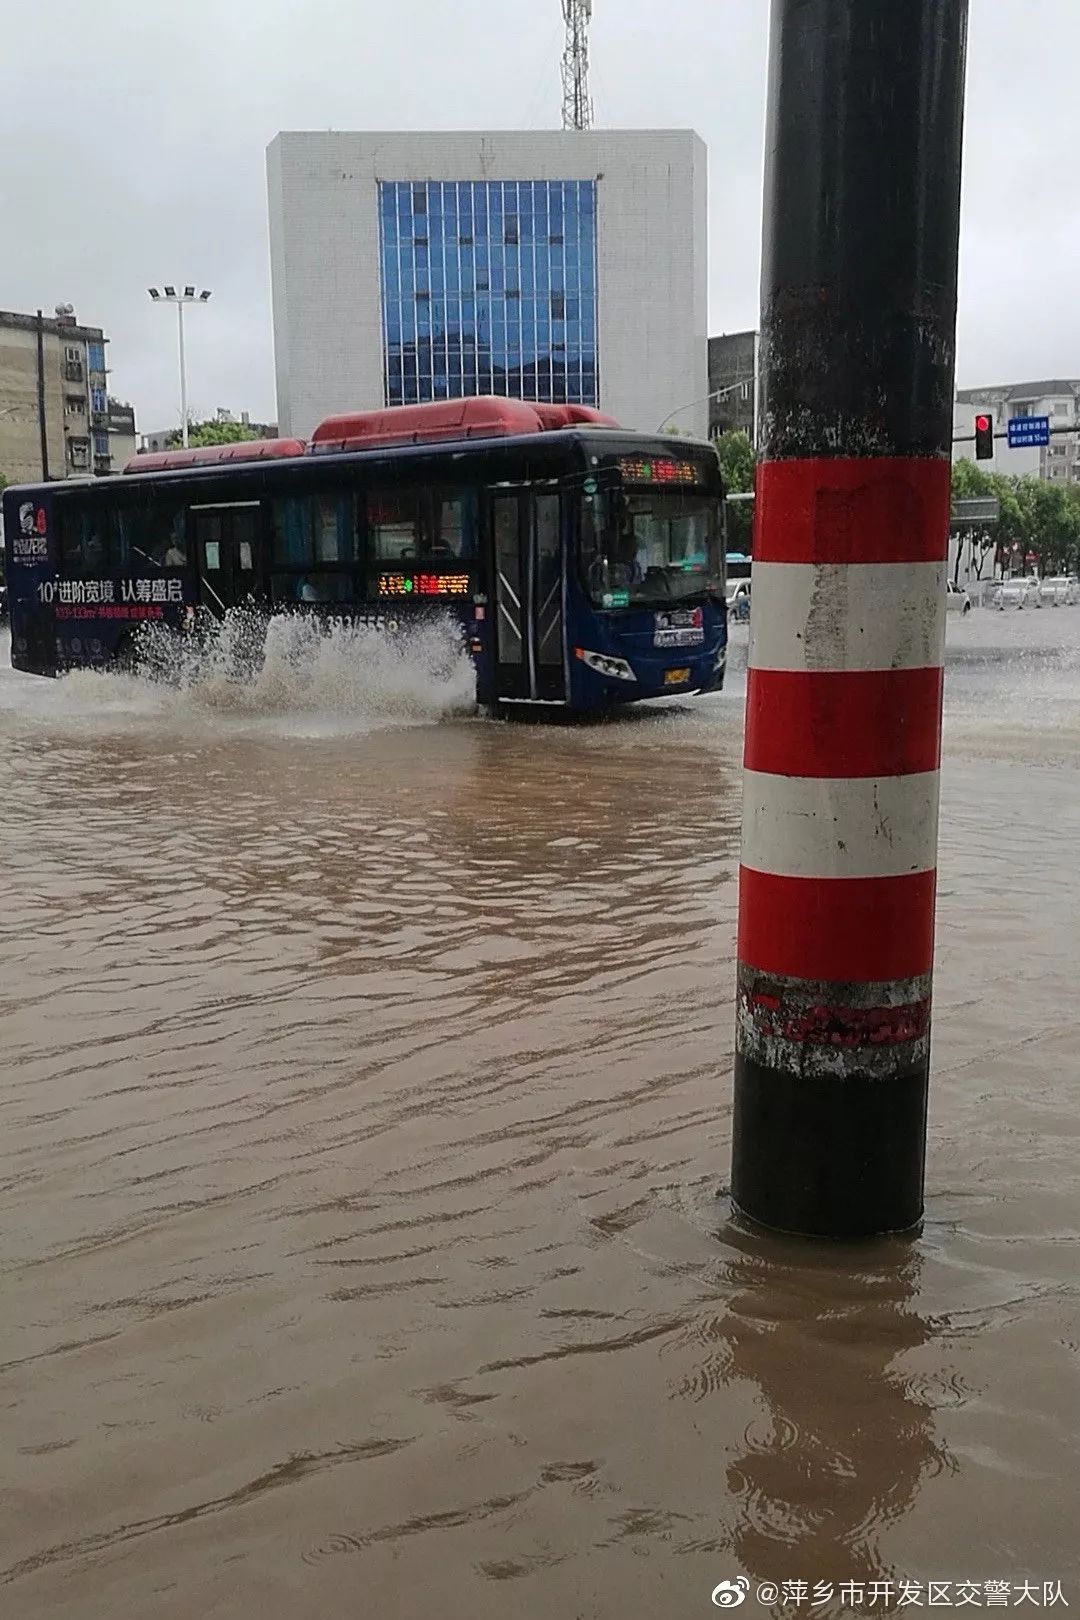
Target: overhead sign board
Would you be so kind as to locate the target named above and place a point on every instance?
(1026, 432)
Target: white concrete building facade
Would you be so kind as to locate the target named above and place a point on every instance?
(566, 265)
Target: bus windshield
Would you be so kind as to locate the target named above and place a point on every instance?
(651, 546)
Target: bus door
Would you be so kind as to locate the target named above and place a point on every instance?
(226, 540)
(527, 587)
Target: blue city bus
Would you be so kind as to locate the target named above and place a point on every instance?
(583, 564)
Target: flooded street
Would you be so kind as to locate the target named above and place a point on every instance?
(365, 1118)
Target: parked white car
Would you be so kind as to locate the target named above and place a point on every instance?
(957, 599)
(1060, 590)
(738, 599)
(1018, 593)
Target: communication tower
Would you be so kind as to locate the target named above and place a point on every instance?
(577, 108)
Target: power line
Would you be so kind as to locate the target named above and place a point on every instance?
(577, 108)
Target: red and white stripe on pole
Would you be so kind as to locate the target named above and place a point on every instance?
(843, 718)
(840, 814)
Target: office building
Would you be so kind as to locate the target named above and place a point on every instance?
(732, 371)
(123, 440)
(551, 266)
(1058, 462)
(54, 404)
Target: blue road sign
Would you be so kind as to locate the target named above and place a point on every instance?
(1027, 431)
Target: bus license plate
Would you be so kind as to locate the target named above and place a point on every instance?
(676, 677)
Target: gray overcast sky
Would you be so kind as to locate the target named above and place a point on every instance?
(133, 144)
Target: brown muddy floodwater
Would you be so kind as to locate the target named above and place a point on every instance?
(365, 1106)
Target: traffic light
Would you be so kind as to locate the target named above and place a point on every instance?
(984, 436)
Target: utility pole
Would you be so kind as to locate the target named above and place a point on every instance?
(43, 427)
(577, 108)
(843, 709)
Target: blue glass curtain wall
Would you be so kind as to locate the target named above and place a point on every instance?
(489, 287)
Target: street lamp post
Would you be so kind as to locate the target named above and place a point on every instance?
(188, 295)
(717, 393)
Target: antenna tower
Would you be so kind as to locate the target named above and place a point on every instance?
(577, 108)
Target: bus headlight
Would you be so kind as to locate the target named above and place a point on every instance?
(603, 664)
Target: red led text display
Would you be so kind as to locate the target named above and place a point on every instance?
(658, 470)
(424, 584)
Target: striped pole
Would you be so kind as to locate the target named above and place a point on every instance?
(843, 709)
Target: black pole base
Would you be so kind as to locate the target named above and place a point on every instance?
(829, 1156)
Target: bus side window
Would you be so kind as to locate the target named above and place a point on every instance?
(290, 528)
(310, 529)
(335, 528)
(394, 525)
(148, 537)
(82, 539)
(309, 536)
(455, 532)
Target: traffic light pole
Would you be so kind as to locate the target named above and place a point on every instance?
(969, 438)
(843, 712)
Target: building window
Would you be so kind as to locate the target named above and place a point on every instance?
(419, 200)
(101, 444)
(96, 356)
(98, 402)
(72, 355)
(79, 451)
(513, 265)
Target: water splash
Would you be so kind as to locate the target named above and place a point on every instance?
(297, 663)
(329, 678)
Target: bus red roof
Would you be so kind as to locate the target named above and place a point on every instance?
(554, 417)
(213, 454)
(484, 416)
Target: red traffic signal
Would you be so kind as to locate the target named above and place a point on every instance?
(984, 436)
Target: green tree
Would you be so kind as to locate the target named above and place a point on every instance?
(736, 460)
(737, 467)
(1052, 523)
(201, 434)
(970, 482)
(1035, 516)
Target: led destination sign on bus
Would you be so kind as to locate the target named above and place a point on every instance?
(658, 470)
(423, 584)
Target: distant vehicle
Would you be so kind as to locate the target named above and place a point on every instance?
(1060, 590)
(957, 599)
(738, 600)
(1018, 593)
